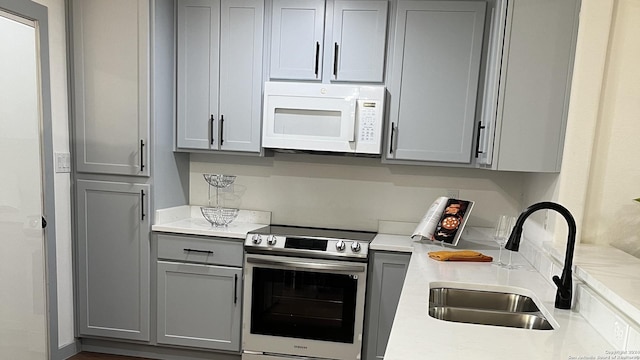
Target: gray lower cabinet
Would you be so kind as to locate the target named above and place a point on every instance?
(219, 74)
(387, 271)
(437, 53)
(113, 259)
(199, 292)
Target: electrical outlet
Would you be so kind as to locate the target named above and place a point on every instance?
(619, 333)
(546, 220)
(453, 193)
(63, 163)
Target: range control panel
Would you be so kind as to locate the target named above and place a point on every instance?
(308, 246)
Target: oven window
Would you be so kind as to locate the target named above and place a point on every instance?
(303, 304)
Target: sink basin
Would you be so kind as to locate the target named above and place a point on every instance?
(495, 318)
(483, 300)
(501, 307)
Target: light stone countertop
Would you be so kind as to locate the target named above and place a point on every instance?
(611, 272)
(188, 220)
(416, 335)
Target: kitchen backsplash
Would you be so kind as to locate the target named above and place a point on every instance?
(354, 193)
(618, 329)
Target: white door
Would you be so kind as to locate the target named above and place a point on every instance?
(23, 324)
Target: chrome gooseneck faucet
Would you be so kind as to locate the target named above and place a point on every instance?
(564, 283)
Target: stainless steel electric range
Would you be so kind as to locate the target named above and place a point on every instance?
(304, 293)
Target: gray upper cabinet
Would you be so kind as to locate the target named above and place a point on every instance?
(297, 34)
(328, 41)
(111, 86)
(219, 74)
(437, 53)
(530, 82)
(113, 259)
(359, 34)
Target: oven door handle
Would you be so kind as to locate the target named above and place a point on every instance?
(292, 264)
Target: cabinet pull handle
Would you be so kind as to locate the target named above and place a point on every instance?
(235, 288)
(480, 128)
(221, 130)
(211, 129)
(142, 214)
(198, 251)
(393, 130)
(141, 154)
(335, 60)
(317, 58)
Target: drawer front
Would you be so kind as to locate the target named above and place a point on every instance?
(200, 250)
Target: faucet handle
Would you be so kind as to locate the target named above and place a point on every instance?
(561, 288)
(564, 292)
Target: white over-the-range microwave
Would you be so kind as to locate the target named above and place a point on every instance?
(323, 117)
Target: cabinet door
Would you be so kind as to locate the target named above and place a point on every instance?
(113, 259)
(198, 34)
(535, 84)
(111, 86)
(436, 61)
(241, 23)
(297, 33)
(386, 277)
(359, 38)
(199, 305)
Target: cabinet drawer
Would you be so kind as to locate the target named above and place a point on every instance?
(200, 250)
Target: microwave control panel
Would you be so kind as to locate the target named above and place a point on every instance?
(368, 119)
(369, 122)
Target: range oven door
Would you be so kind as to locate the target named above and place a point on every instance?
(303, 307)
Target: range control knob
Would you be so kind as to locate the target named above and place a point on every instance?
(256, 239)
(271, 240)
(355, 246)
(340, 245)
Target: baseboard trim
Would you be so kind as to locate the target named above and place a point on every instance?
(152, 351)
(66, 351)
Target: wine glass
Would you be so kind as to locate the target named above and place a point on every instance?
(501, 234)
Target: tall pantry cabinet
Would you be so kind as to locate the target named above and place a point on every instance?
(122, 93)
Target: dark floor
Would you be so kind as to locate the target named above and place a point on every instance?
(95, 356)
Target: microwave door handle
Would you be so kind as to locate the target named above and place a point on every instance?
(351, 129)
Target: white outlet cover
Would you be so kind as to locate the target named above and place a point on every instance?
(633, 340)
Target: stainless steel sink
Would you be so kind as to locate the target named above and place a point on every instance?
(483, 300)
(495, 318)
(493, 308)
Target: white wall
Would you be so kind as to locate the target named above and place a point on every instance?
(570, 186)
(60, 119)
(610, 214)
(600, 172)
(353, 193)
